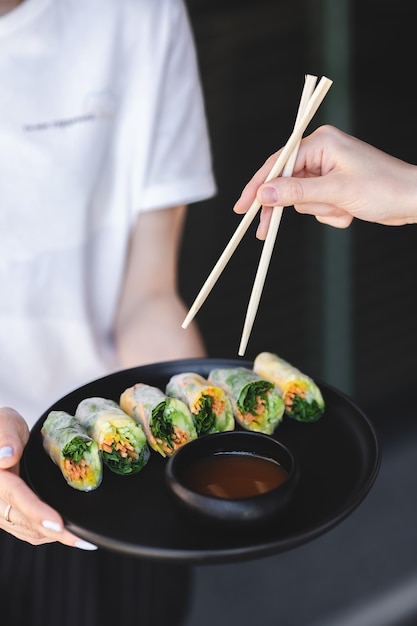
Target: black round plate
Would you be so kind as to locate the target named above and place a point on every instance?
(339, 459)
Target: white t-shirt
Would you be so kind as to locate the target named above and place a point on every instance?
(101, 117)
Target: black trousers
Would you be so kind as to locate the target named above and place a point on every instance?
(53, 584)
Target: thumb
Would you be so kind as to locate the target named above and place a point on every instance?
(288, 191)
(14, 434)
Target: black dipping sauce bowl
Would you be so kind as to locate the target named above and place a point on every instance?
(237, 478)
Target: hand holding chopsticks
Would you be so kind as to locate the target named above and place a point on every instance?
(309, 103)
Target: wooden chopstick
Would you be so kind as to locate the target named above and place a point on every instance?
(310, 82)
(304, 119)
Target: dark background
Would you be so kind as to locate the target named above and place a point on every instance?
(341, 305)
(253, 58)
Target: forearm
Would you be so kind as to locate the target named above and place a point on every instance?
(150, 313)
(152, 332)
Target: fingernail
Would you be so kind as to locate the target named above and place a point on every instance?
(6, 452)
(268, 195)
(85, 545)
(55, 526)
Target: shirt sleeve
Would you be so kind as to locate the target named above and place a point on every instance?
(179, 168)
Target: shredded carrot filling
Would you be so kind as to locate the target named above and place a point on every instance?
(77, 471)
(180, 437)
(292, 391)
(218, 404)
(123, 446)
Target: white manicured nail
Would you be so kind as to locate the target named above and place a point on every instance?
(6, 452)
(85, 545)
(57, 528)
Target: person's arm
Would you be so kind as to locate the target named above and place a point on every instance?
(148, 330)
(148, 325)
(337, 178)
(22, 513)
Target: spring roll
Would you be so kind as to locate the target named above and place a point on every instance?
(210, 406)
(74, 452)
(121, 440)
(167, 422)
(256, 402)
(303, 399)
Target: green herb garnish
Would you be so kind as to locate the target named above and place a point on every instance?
(76, 449)
(249, 398)
(205, 418)
(162, 425)
(305, 411)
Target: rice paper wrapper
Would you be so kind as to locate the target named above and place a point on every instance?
(120, 438)
(167, 422)
(302, 396)
(71, 448)
(210, 405)
(257, 402)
